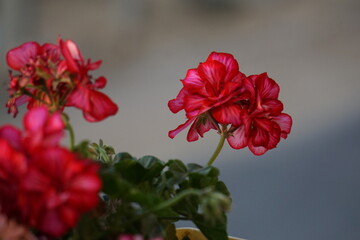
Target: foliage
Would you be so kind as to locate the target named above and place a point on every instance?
(148, 195)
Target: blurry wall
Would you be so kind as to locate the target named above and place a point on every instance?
(307, 188)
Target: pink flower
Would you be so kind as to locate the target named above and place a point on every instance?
(56, 76)
(209, 95)
(262, 121)
(42, 129)
(95, 105)
(33, 62)
(24, 56)
(56, 189)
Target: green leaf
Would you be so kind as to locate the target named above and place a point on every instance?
(130, 170)
(153, 167)
(114, 186)
(121, 156)
(212, 232)
(193, 167)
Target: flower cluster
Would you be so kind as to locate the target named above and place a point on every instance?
(87, 191)
(42, 184)
(56, 76)
(243, 109)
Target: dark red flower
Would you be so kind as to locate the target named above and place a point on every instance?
(43, 185)
(56, 189)
(210, 92)
(262, 121)
(13, 166)
(95, 105)
(247, 108)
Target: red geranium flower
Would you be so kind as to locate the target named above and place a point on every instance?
(13, 166)
(56, 76)
(247, 108)
(262, 123)
(34, 62)
(42, 184)
(56, 189)
(95, 105)
(209, 95)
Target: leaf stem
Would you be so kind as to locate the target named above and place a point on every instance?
(219, 146)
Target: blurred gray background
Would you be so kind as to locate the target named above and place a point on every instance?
(308, 187)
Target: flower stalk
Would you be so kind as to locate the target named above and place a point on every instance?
(220, 145)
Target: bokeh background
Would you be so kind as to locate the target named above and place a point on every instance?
(308, 187)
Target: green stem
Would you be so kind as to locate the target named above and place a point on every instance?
(70, 129)
(169, 202)
(219, 146)
(177, 198)
(36, 98)
(71, 135)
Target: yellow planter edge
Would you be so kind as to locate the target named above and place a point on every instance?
(195, 234)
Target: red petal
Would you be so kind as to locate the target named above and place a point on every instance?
(177, 104)
(259, 137)
(13, 164)
(238, 138)
(205, 126)
(199, 127)
(35, 119)
(51, 223)
(79, 98)
(18, 57)
(231, 65)
(101, 107)
(214, 72)
(86, 182)
(95, 105)
(263, 123)
(181, 127)
(94, 65)
(227, 114)
(51, 51)
(195, 105)
(100, 82)
(267, 87)
(192, 134)
(285, 122)
(12, 135)
(54, 130)
(69, 215)
(192, 79)
(71, 54)
(260, 150)
(272, 106)
(274, 137)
